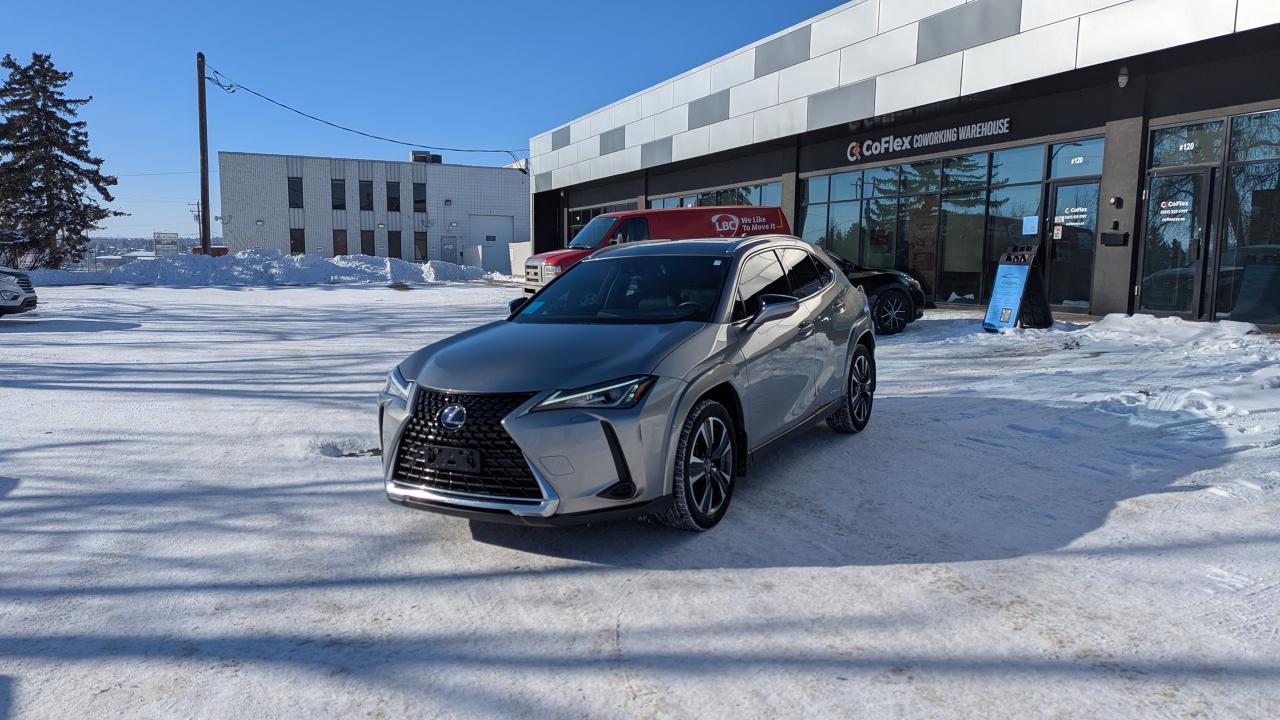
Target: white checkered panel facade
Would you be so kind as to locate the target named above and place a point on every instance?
(867, 58)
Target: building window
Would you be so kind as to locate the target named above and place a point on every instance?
(338, 194)
(366, 195)
(420, 197)
(366, 243)
(1199, 144)
(393, 197)
(420, 246)
(339, 242)
(295, 192)
(297, 241)
(393, 244)
(763, 195)
(1076, 159)
(946, 221)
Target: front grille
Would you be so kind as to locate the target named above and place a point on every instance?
(24, 283)
(503, 472)
(533, 274)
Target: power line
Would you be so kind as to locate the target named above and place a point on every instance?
(230, 86)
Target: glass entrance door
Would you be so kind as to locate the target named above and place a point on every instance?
(1173, 246)
(1073, 240)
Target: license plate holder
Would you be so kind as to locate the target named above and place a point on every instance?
(453, 459)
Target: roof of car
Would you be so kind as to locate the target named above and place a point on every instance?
(705, 246)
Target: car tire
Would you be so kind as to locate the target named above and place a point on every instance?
(892, 311)
(702, 484)
(859, 393)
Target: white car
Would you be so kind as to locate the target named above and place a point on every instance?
(16, 293)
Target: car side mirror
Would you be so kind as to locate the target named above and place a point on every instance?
(615, 240)
(774, 307)
(515, 305)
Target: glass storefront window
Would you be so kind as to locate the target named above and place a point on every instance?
(1249, 262)
(846, 186)
(771, 194)
(881, 182)
(921, 177)
(814, 189)
(1255, 137)
(965, 171)
(962, 220)
(844, 230)
(1197, 144)
(880, 247)
(917, 251)
(1079, 158)
(1017, 165)
(1012, 212)
(813, 223)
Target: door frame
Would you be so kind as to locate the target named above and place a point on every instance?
(1205, 208)
(1047, 241)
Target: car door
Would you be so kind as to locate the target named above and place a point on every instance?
(776, 375)
(823, 333)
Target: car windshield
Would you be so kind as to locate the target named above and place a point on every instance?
(593, 233)
(655, 289)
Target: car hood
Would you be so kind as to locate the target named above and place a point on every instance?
(562, 257)
(523, 357)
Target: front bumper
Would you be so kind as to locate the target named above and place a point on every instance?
(24, 305)
(591, 465)
(918, 302)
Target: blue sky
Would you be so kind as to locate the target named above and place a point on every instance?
(457, 74)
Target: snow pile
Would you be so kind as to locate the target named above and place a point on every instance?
(268, 267)
(1148, 330)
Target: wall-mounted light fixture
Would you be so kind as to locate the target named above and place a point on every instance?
(453, 224)
(259, 223)
(1123, 78)
(381, 225)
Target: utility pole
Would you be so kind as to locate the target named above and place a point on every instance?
(205, 239)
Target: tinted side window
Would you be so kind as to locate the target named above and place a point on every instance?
(633, 230)
(761, 275)
(802, 274)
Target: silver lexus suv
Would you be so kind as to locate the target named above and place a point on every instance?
(640, 382)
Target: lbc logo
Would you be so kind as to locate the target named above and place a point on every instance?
(725, 223)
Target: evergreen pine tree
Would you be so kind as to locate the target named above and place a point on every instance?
(47, 173)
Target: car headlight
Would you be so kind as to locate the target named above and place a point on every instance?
(912, 283)
(9, 295)
(613, 395)
(550, 271)
(8, 279)
(397, 386)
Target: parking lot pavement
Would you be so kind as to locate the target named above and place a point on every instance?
(1080, 522)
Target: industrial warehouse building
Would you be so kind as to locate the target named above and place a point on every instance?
(1138, 141)
(418, 210)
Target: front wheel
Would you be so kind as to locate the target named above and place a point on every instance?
(892, 311)
(859, 393)
(706, 456)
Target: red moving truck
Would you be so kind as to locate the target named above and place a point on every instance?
(664, 224)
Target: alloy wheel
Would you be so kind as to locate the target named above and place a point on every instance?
(861, 389)
(891, 313)
(710, 466)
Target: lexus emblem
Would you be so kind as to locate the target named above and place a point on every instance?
(452, 417)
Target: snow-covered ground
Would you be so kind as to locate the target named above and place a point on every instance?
(1074, 523)
(268, 268)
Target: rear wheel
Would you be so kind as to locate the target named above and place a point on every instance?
(859, 393)
(892, 312)
(706, 456)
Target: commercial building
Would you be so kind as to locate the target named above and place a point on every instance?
(419, 210)
(1137, 140)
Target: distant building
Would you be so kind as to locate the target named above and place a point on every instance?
(418, 210)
